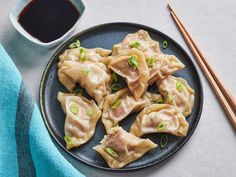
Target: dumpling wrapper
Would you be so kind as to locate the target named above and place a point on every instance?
(160, 118)
(148, 46)
(79, 126)
(93, 76)
(153, 97)
(97, 55)
(177, 92)
(136, 78)
(112, 116)
(126, 147)
(94, 54)
(164, 66)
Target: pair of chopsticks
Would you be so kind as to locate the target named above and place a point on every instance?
(226, 99)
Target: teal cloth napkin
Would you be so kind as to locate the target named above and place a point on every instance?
(26, 149)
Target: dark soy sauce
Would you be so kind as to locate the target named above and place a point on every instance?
(48, 20)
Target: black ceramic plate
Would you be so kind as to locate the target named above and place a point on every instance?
(105, 36)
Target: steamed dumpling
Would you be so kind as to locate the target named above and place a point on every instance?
(81, 118)
(177, 92)
(120, 148)
(159, 65)
(140, 40)
(95, 55)
(163, 66)
(119, 105)
(132, 66)
(93, 76)
(160, 118)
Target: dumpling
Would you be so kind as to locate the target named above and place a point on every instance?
(81, 118)
(132, 66)
(120, 148)
(93, 76)
(80, 54)
(177, 92)
(163, 66)
(140, 40)
(160, 118)
(159, 65)
(119, 105)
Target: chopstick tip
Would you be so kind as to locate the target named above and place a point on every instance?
(169, 6)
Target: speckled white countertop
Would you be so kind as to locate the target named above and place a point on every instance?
(211, 151)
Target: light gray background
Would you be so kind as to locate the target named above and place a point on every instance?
(211, 151)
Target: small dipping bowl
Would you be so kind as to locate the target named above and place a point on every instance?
(21, 4)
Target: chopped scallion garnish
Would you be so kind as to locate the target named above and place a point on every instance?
(114, 77)
(68, 141)
(82, 54)
(135, 44)
(75, 45)
(169, 99)
(151, 60)
(111, 152)
(74, 108)
(115, 87)
(161, 126)
(164, 141)
(133, 61)
(85, 71)
(164, 44)
(90, 112)
(115, 104)
(179, 86)
(160, 101)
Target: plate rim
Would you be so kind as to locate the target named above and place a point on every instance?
(58, 50)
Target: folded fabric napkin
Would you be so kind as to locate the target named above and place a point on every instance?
(26, 148)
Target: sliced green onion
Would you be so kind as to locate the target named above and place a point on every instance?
(68, 141)
(135, 44)
(75, 45)
(161, 126)
(164, 44)
(151, 60)
(85, 71)
(115, 87)
(164, 141)
(114, 77)
(160, 101)
(74, 108)
(78, 91)
(111, 152)
(169, 99)
(179, 86)
(82, 54)
(115, 104)
(90, 112)
(133, 61)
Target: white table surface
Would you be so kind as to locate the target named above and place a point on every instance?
(211, 151)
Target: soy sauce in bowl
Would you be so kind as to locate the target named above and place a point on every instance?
(48, 20)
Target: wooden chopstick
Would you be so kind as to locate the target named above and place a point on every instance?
(213, 82)
(226, 93)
